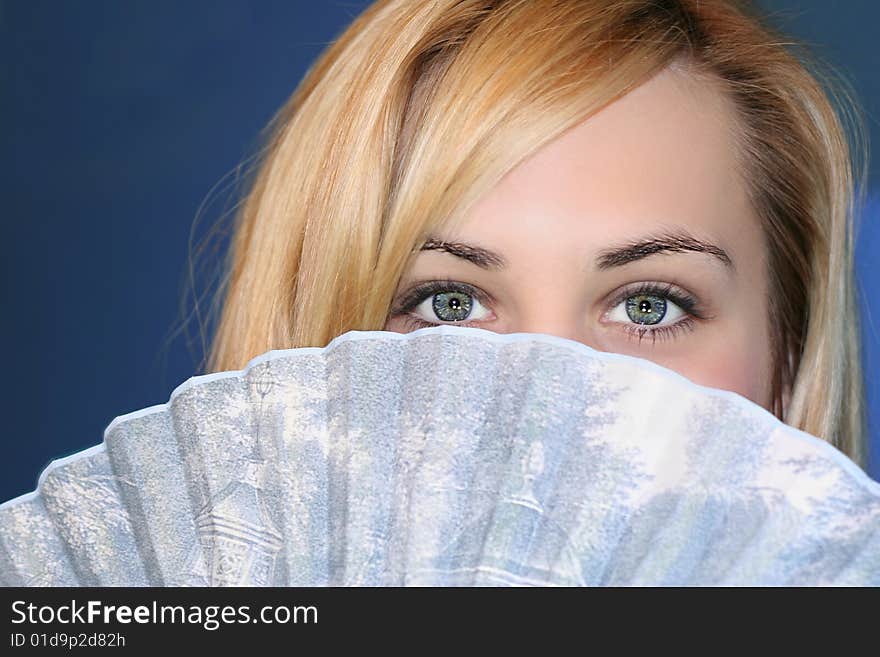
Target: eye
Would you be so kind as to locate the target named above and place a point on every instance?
(654, 310)
(451, 306)
(443, 302)
(646, 309)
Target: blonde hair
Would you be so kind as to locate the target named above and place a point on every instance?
(421, 106)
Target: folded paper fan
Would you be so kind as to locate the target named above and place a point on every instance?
(447, 456)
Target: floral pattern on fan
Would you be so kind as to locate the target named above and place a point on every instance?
(447, 456)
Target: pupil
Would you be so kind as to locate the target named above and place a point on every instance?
(645, 306)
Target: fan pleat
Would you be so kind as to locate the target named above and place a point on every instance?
(32, 553)
(146, 460)
(83, 500)
(459, 471)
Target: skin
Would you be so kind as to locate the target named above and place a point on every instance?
(661, 160)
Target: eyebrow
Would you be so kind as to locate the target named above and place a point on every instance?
(616, 256)
(669, 242)
(483, 258)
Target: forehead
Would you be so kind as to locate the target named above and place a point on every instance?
(662, 156)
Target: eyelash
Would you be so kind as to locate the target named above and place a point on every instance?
(687, 303)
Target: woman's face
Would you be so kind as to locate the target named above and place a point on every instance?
(631, 233)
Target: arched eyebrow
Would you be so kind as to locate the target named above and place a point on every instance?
(483, 258)
(670, 242)
(609, 258)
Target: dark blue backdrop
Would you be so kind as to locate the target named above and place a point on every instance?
(118, 119)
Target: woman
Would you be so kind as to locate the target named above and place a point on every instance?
(659, 178)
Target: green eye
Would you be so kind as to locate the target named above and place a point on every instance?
(445, 301)
(452, 306)
(646, 308)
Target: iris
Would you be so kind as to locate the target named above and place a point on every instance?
(452, 306)
(646, 308)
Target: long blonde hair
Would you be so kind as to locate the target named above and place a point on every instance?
(421, 106)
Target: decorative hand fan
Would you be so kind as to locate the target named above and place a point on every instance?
(447, 456)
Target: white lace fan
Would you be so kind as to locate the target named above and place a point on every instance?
(447, 456)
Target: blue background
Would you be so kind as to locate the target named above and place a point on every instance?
(118, 120)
